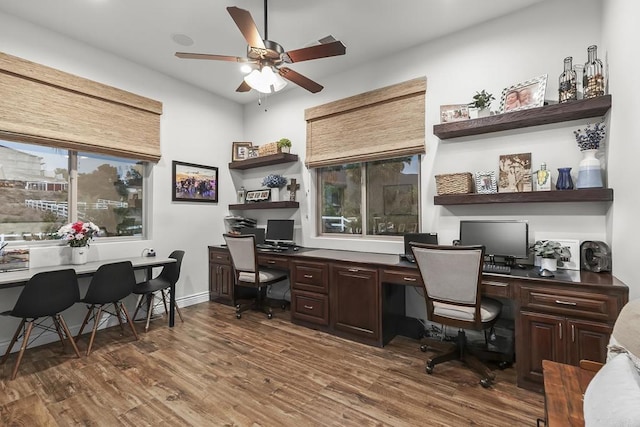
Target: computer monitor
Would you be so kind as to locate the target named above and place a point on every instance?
(280, 231)
(429, 238)
(258, 232)
(504, 238)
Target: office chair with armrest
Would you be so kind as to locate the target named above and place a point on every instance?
(110, 284)
(45, 295)
(147, 290)
(247, 274)
(452, 277)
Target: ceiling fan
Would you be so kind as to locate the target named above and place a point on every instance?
(268, 57)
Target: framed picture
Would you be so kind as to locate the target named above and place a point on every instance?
(486, 182)
(258, 195)
(240, 151)
(400, 199)
(515, 173)
(194, 183)
(454, 113)
(253, 152)
(522, 96)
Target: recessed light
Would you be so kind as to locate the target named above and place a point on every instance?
(182, 39)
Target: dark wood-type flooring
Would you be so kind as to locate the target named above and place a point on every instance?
(215, 370)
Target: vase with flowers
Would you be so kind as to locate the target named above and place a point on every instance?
(77, 235)
(589, 139)
(275, 182)
(550, 253)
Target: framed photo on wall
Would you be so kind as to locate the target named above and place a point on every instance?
(194, 183)
(454, 113)
(525, 95)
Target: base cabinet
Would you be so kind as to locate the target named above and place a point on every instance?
(220, 277)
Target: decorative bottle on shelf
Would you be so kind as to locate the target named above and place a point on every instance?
(589, 175)
(567, 90)
(242, 193)
(543, 178)
(578, 69)
(564, 181)
(593, 74)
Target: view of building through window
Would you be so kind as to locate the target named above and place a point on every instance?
(35, 189)
(388, 188)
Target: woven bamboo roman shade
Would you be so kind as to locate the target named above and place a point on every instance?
(46, 106)
(381, 124)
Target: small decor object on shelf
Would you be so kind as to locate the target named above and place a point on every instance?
(486, 182)
(240, 151)
(241, 195)
(567, 89)
(588, 139)
(593, 74)
(284, 145)
(268, 149)
(78, 235)
(515, 173)
(194, 183)
(258, 195)
(293, 187)
(564, 181)
(454, 113)
(253, 152)
(522, 96)
(542, 178)
(275, 182)
(454, 183)
(479, 107)
(551, 252)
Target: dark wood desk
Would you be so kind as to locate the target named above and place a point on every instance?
(20, 277)
(360, 296)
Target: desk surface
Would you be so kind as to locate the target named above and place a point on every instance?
(20, 277)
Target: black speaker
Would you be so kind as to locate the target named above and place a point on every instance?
(595, 256)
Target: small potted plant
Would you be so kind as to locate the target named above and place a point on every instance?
(480, 105)
(550, 253)
(284, 145)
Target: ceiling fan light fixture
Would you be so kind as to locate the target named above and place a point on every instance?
(265, 80)
(245, 68)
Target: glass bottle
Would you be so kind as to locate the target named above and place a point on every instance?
(593, 74)
(543, 178)
(567, 90)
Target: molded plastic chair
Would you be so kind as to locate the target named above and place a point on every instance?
(452, 277)
(110, 284)
(247, 274)
(147, 290)
(45, 295)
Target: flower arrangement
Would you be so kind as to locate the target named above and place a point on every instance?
(78, 233)
(590, 137)
(274, 181)
(551, 249)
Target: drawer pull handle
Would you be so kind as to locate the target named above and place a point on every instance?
(271, 262)
(218, 257)
(353, 270)
(560, 329)
(410, 279)
(573, 333)
(565, 302)
(308, 307)
(308, 276)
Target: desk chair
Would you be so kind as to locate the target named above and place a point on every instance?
(247, 274)
(452, 277)
(45, 295)
(110, 284)
(147, 290)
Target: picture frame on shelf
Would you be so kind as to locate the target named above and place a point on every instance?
(240, 151)
(258, 195)
(454, 113)
(525, 95)
(253, 152)
(486, 182)
(515, 173)
(194, 183)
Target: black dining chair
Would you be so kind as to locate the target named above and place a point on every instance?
(110, 284)
(45, 295)
(162, 284)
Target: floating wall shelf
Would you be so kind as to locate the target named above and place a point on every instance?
(265, 205)
(582, 195)
(256, 162)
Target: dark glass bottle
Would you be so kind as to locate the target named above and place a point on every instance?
(567, 90)
(593, 74)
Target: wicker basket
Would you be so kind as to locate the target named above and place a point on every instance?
(454, 183)
(268, 148)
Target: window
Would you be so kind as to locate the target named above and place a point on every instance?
(389, 189)
(37, 192)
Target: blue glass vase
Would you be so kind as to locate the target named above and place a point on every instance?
(564, 181)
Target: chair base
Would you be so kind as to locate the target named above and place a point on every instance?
(259, 303)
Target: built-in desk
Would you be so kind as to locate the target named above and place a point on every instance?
(360, 296)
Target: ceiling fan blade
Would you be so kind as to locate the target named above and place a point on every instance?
(244, 87)
(314, 52)
(247, 26)
(187, 55)
(300, 80)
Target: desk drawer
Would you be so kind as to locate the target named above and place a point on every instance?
(279, 263)
(310, 307)
(495, 288)
(410, 278)
(219, 257)
(570, 302)
(310, 276)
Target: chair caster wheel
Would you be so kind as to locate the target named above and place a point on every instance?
(238, 315)
(283, 307)
(503, 365)
(485, 382)
(423, 348)
(429, 369)
(269, 315)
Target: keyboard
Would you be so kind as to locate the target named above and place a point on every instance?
(496, 268)
(265, 246)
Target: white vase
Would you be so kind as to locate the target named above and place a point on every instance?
(550, 264)
(285, 149)
(589, 174)
(476, 113)
(275, 194)
(79, 255)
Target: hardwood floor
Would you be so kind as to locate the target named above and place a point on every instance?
(215, 370)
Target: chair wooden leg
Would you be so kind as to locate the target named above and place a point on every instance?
(57, 326)
(140, 300)
(68, 333)
(85, 321)
(96, 322)
(129, 319)
(116, 311)
(149, 311)
(25, 341)
(13, 341)
(164, 301)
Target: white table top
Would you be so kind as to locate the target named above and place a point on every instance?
(19, 277)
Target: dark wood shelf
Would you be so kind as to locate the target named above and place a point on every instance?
(265, 205)
(582, 195)
(256, 162)
(582, 109)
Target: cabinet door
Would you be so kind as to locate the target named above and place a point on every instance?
(214, 283)
(542, 338)
(588, 341)
(355, 302)
(226, 283)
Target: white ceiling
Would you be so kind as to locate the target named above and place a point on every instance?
(141, 30)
